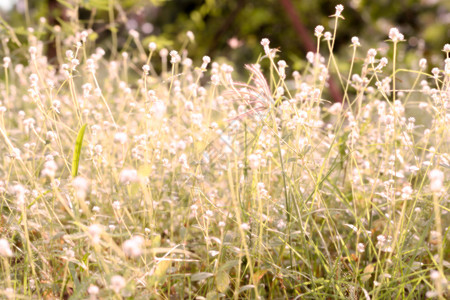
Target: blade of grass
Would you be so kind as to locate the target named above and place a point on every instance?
(77, 151)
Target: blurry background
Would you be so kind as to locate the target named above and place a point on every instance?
(232, 29)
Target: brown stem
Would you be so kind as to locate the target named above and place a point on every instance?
(308, 43)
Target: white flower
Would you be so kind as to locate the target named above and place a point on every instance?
(206, 61)
(133, 246)
(190, 36)
(94, 231)
(265, 42)
(339, 9)
(361, 248)
(5, 250)
(128, 176)
(93, 290)
(318, 30)
(120, 138)
(371, 55)
(422, 63)
(254, 161)
(245, 226)
(436, 180)
(146, 69)
(395, 35)
(117, 283)
(355, 41)
(152, 46)
(49, 169)
(81, 186)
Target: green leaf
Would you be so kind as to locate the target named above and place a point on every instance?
(228, 265)
(222, 281)
(77, 151)
(159, 274)
(99, 4)
(367, 273)
(74, 275)
(66, 4)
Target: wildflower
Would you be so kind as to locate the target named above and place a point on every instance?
(128, 176)
(90, 65)
(49, 169)
(407, 192)
(133, 247)
(116, 205)
(383, 62)
(280, 92)
(436, 180)
(6, 61)
(310, 57)
(327, 35)
(339, 9)
(117, 283)
(93, 291)
(265, 43)
(318, 30)
(163, 52)
(175, 57)
(335, 108)
(190, 36)
(435, 72)
(83, 36)
(5, 250)
(395, 35)
(361, 248)
(254, 161)
(446, 48)
(120, 138)
(371, 55)
(94, 232)
(206, 61)
(152, 46)
(74, 63)
(146, 69)
(245, 226)
(134, 33)
(422, 63)
(32, 50)
(81, 187)
(234, 43)
(281, 68)
(381, 240)
(355, 41)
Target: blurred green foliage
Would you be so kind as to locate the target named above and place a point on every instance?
(232, 29)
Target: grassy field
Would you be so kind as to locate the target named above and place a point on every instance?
(146, 175)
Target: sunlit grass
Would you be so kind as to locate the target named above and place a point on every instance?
(188, 184)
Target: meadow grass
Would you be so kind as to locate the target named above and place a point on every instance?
(135, 174)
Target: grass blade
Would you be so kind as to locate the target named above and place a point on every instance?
(77, 151)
